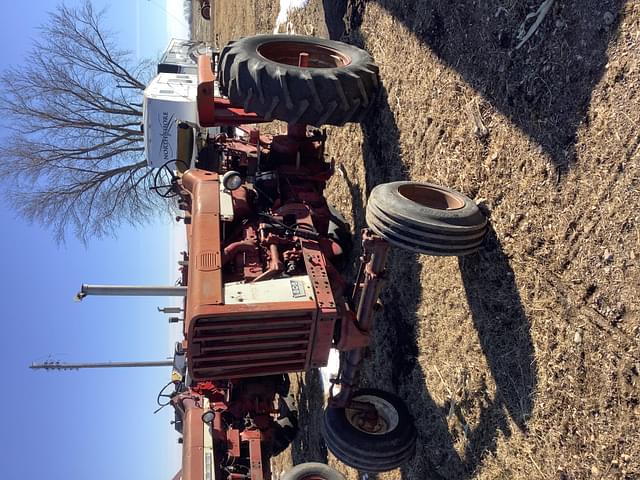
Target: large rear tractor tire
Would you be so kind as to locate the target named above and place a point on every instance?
(426, 218)
(373, 443)
(313, 471)
(262, 74)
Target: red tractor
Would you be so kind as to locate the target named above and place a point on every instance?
(265, 295)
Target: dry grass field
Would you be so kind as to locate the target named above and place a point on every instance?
(521, 361)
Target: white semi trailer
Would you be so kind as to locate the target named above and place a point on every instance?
(170, 102)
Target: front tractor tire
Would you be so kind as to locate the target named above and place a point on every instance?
(373, 443)
(312, 471)
(262, 74)
(426, 218)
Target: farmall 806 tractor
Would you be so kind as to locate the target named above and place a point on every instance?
(265, 296)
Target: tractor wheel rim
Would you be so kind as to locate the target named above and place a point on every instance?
(387, 416)
(288, 53)
(432, 197)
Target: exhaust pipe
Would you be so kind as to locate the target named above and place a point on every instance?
(52, 365)
(131, 291)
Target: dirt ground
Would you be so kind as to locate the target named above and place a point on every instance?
(521, 361)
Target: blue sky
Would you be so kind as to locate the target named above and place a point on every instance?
(88, 424)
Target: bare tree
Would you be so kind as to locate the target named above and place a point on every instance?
(74, 158)
(187, 11)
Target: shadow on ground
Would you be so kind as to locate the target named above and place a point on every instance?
(494, 301)
(504, 333)
(502, 326)
(309, 445)
(544, 87)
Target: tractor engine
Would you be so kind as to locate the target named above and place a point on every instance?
(262, 285)
(264, 294)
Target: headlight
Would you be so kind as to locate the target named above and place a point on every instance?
(231, 180)
(208, 416)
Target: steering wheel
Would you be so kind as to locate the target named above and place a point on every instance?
(163, 399)
(165, 180)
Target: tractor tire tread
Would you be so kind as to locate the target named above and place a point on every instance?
(423, 227)
(335, 96)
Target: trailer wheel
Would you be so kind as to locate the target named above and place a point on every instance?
(205, 11)
(262, 74)
(374, 443)
(426, 218)
(313, 471)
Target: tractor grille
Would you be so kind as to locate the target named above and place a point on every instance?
(244, 347)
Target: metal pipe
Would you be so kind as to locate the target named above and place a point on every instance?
(78, 366)
(373, 280)
(275, 265)
(372, 284)
(231, 250)
(303, 59)
(132, 291)
(170, 309)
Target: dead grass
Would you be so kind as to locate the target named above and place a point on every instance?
(521, 361)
